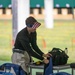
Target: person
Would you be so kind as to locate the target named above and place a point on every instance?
(26, 46)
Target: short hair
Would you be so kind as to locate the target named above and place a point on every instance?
(30, 21)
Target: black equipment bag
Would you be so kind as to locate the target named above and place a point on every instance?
(59, 57)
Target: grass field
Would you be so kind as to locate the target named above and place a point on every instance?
(62, 35)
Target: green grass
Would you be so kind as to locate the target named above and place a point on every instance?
(5, 40)
(62, 35)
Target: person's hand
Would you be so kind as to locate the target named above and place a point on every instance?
(46, 61)
(47, 55)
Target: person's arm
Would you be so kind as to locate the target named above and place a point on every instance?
(35, 46)
(27, 47)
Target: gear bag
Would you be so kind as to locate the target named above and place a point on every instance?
(59, 57)
(13, 69)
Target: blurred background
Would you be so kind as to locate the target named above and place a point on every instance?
(62, 35)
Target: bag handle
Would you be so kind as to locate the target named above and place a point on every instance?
(58, 49)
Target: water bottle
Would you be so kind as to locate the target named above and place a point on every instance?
(66, 50)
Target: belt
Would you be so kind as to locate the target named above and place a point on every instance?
(18, 51)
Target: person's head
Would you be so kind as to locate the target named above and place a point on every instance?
(32, 24)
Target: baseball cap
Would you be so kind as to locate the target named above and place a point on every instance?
(32, 22)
